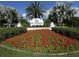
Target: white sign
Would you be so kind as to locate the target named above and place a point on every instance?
(36, 21)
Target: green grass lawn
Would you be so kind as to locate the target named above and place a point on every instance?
(4, 52)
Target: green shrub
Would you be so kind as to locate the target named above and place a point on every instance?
(10, 32)
(74, 22)
(24, 22)
(69, 32)
(47, 23)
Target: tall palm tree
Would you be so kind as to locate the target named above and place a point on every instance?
(34, 11)
(63, 12)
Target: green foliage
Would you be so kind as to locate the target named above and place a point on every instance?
(10, 32)
(4, 52)
(74, 22)
(24, 23)
(61, 12)
(34, 11)
(69, 32)
(8, 16)
(47, 23)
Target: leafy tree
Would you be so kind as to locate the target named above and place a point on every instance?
(62, 13)
(8, 16)
(24, 22)
(47, 23)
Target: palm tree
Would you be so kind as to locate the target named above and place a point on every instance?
(34, 11)
(62, 12)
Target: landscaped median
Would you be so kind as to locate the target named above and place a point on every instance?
(10, 32)
(44, 42)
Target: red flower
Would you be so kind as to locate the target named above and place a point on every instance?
(56, 45)
(39, 44)
(40, 38)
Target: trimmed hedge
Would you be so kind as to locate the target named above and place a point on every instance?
(74, 22)
(10, 32)
(69, 32)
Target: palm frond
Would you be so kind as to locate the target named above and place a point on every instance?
(35, 10)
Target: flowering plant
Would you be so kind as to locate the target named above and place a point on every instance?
(42, 40)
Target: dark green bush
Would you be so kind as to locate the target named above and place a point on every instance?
(47, 23)
(74, 22)
(10, 32)
(69, 32)
(24, 22)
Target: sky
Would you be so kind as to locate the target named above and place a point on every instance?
(47, 5)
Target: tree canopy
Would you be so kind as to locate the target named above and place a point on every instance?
(34, 11)
(8, 16)
(61, 13)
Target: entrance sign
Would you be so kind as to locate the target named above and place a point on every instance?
(36, 22)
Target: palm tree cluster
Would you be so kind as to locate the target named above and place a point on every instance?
(8, 16)
(62, 13)
(34, 11)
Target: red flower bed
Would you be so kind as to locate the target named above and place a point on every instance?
(40, 38)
